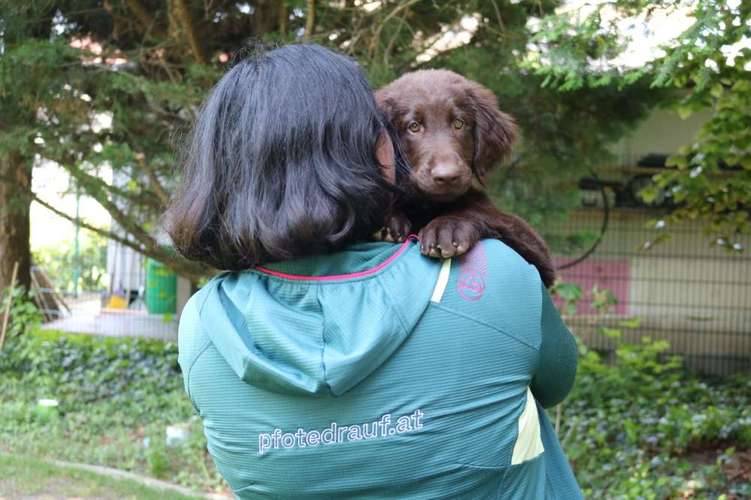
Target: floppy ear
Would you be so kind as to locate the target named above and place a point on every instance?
(386, 104)
(495, 131)
(386, 156)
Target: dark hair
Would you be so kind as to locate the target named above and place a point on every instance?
(282, 162)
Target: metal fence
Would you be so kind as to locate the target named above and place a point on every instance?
(686, 290)
(693, 294)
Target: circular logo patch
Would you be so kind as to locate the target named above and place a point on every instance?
(471, 285)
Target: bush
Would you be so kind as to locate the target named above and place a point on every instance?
(61, 262)
(82, 369)
(24, 315)
(640, 427)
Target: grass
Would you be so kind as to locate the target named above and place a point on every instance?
(23, 477)
(116, 398)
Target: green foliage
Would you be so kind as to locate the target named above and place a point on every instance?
(116, 398)
(711, 178)
(640, 427)
(61, 263)
(23, 315)
(565, 47)
(704, 68)
(636, 427)
(602, 299)
(570, 293)
(150, 80)
(81, 369)
(553, 67)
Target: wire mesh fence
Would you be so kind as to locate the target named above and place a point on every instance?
(687, 290)
(92, 312)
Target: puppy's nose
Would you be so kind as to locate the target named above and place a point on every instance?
(446, 174)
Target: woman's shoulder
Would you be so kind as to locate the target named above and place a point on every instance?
(506, 257)
(496, 286)
(499, 266)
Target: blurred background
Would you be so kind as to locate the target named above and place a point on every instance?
(634, 163)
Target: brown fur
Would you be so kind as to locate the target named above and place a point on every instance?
(452, 133)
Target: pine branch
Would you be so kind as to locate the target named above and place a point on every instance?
(377, 34)
(144, 17)
(156, 185)
(99, 190)
(103, 232)
(191, 270)
(186, 20)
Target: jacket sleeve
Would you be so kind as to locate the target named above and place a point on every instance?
(556, 368)
(192, 342)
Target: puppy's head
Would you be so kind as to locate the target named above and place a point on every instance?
(450, 130)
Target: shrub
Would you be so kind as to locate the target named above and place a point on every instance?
(641, 427)
(24, 315)
(61, 262)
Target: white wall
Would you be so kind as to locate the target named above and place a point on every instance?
(686, 290)
(663, 132)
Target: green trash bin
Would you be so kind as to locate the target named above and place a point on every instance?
(161, 288)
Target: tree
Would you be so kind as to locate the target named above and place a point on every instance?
(705, 67)
(711, 178)
(14, 220)
(145, 65)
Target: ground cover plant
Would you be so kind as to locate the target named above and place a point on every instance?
(116, 398)
(643, 428)
(637, 428)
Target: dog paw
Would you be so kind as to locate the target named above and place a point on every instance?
(445, 237)
(395, 230)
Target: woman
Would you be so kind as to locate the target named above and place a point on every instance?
(342, 367)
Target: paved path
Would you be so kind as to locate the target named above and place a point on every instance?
(118, 324)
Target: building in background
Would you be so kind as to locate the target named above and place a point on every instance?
(127, 273)
(676, 283)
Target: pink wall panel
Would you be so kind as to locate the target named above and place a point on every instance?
(612, 274)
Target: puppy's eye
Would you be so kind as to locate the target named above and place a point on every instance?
(414, 127)
(458, 123)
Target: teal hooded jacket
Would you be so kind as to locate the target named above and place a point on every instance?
(377, 372)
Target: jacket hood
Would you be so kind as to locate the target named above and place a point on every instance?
(324, 331)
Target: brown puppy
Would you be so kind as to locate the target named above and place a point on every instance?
(452, 134)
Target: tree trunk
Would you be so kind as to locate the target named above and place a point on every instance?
(14, 219)
(267, 17)
(310, 20)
